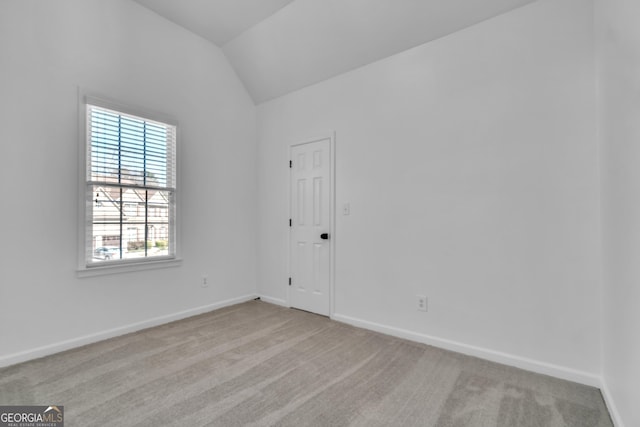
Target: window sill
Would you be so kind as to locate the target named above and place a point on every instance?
(127, 267)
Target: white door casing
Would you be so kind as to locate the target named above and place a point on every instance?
(311, 203)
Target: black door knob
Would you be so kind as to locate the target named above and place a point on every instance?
(324, 236)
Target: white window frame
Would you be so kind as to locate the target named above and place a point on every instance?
(87, 269)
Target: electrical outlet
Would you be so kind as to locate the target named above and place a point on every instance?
(205, 281)
(422, 302)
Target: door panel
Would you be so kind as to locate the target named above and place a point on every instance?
(311, 217)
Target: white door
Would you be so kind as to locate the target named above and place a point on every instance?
(310, 248)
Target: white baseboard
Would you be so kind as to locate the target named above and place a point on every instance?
(276, 301)
(46, 350)
(611, 406)
(483, 353)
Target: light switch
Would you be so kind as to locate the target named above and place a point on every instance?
(346, 209)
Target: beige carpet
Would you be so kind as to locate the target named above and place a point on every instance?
(257, 364)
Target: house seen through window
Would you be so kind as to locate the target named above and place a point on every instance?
(130, 187)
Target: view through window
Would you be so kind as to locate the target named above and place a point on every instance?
(131, 184)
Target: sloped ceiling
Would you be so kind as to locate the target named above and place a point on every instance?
(218, 21)
(279, 46)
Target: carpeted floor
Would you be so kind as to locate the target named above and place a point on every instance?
(256, 364)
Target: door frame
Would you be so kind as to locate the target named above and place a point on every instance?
(331, 136)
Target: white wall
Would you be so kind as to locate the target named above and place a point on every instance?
(619, 60)
(470, 164)
(123, 51)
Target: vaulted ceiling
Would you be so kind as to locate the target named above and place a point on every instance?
(279, 46)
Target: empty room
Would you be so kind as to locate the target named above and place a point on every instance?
(320, 213)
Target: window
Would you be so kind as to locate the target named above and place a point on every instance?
(131, 209)
(130, 175)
